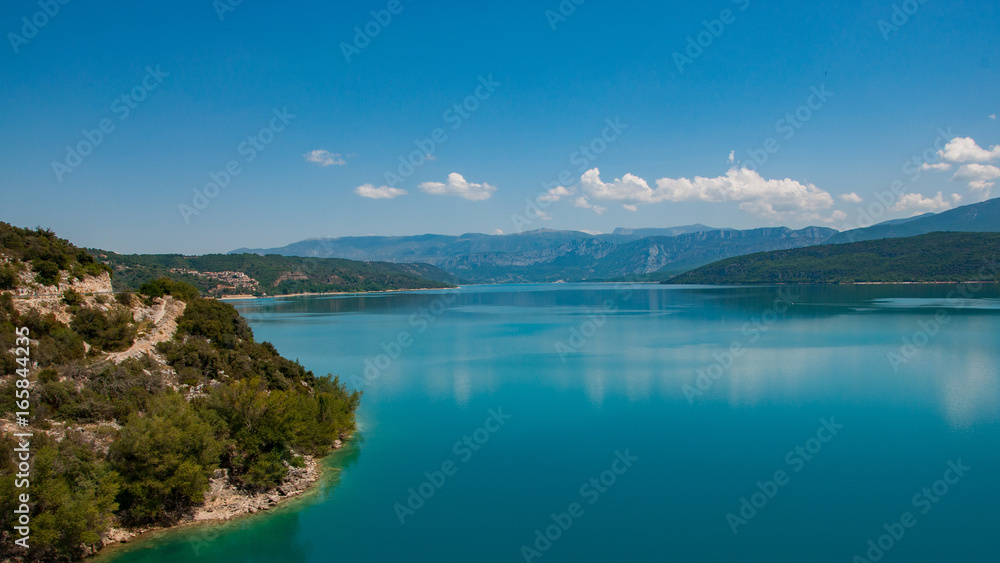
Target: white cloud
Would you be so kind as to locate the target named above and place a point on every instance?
(982, 186)
(993, 116)
(851, 198)
(628, 188)
(383, 192)
(980, 176)
(978, 172)
(919, 203)
(838, 215)
(324, 158)
(940, 166)
(732, 157)
(774, 199)
(584, 203)
(498, 232)
(457, 186)
(556, 193)
(965, 149)
(630, 207)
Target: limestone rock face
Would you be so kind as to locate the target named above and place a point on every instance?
(90, 284)
(48, 298)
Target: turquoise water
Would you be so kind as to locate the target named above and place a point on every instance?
(812, 407)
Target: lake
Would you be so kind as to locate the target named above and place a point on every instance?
(586, 422)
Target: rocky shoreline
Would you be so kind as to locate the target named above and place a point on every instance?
(224, 501)
(156, 322)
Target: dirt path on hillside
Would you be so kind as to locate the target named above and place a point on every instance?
(164, 317)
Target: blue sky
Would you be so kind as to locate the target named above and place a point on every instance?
(328, 128)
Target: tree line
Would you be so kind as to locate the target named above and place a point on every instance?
(239, 406)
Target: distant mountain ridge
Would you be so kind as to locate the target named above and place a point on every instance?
(547, 255)
(981, 217)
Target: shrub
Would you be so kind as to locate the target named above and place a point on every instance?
(266, 426)
(39, 324)
(112, 332)
(165, 458)
(323, 416)
(217, 321)
(8, 278)
(55, 394)
(47, 375)
(72, 298)
(72, 493)
(8, 318)
(59, 346)
(47, 272)
(129, 387)
(258, 422)
(8, 314)
(8, 398)
(86, 407)
(88, 266)
(166, 286)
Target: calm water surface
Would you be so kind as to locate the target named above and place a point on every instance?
(655, 423)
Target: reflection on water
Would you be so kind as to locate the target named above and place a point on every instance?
(657, 339)
(640, 352)
(970, 388)
(709, 386)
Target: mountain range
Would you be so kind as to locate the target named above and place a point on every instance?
(975, 218)
(647, 254)
(547, 255)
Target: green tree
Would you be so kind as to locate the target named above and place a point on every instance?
(59, 346)
(46, 272)
(9, 321)
(112, 332)
(72, 497)
(217, 321)
(8, 278)
(165, 286)
(165, 457)
(324, 415)
(72, 298)
(260, 423)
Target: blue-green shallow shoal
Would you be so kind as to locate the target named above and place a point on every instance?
(585, 371)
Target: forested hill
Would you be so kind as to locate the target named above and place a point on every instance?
(42, 256)
(983, 217)
(934, 257)
(140, 407)
(252, 274)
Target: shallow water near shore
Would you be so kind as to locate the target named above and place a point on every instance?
(587, 422)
